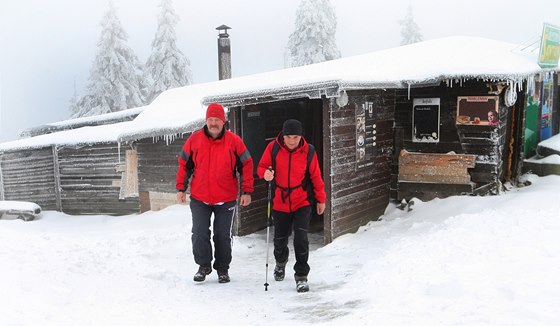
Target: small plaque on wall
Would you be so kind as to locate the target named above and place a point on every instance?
(425, 120)
(366, 135)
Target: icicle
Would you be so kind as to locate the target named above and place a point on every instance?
(119, 150)
(409, 91)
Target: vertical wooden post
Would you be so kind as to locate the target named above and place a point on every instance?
(328, 105)
(56, 174)
(1, 180)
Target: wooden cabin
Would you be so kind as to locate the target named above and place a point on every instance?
(371, 150)
(64, 171)
(409, 122)
(382, 139)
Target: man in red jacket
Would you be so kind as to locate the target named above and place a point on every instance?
(211, 156)
(291, 207)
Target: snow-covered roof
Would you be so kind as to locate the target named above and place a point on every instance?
(72, 137)
(446, 59)
(181, 110)
(96, 120)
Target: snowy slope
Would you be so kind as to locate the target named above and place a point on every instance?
(457, 261)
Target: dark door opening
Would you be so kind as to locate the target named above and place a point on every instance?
(262, 123)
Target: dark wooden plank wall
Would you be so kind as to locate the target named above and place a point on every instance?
(484, 141)
(28, 175)
(89, 181)
(358, 196)
(157, 163)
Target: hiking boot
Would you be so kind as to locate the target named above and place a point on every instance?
(223, 276)
(301, 284)
(280, 271)
(202, 272)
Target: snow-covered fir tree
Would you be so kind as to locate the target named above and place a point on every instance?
(167, 67)
(314, 37)
(115, 82)
(410, 32)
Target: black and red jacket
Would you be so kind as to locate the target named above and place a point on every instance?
(212, 163)
(289, 174)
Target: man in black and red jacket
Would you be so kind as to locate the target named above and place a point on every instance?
(291, 206)
(211, 156)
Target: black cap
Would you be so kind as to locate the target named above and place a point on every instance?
(292, 127)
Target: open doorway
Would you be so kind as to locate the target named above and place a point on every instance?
(261, 123)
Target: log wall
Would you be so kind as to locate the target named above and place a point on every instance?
(90, 182)
(487, 143)
(357, 196)
(28, 175)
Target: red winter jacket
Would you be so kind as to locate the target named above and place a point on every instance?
(212, 164)
(289, 173)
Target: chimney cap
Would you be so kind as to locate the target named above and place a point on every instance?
(223, 31)
(223, 27)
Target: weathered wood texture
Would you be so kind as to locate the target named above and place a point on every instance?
(28, 175)
(157, 164)
(435, 168)
(89, 181)
(485, 142)
(358, 195)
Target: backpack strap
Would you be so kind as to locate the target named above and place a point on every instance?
(276, 148)
(274, 152)
(309, 159)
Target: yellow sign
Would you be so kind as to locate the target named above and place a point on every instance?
(550, 46)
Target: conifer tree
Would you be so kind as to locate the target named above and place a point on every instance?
(167, 67)
(313, 39)
(410, 32)
(115, 82)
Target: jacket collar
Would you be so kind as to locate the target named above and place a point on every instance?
(280, 141)
(220, 136)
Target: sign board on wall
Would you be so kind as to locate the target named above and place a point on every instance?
(425, 120)
(550, 46)
(477, 110)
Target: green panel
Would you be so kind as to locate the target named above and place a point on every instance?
(531, 125)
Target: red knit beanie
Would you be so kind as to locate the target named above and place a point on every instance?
(215, 110)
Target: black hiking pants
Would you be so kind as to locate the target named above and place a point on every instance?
(223, 222)
(283, 224)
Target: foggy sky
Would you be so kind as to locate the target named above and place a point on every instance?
(47, 47)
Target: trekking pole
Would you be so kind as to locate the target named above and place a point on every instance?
(268, 224)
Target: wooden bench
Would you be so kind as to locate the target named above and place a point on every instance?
(430, 175)
(27, 211)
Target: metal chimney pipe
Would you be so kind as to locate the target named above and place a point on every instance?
(224, 53)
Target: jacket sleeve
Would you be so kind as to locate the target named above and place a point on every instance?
(266, 160)
(247, 167)
(186, 167)
(317, 180)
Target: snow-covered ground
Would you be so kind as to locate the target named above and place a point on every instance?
(458, 261)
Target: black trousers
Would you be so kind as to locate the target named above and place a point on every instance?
(223, 222)
(283, 224)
